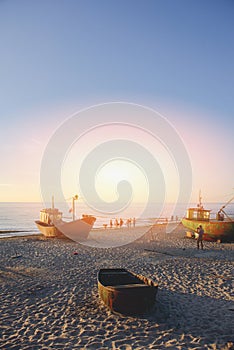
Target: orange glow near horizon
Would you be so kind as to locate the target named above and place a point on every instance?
(210, 156)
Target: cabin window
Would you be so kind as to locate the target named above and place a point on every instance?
(195, 214)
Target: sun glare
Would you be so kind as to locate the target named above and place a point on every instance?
(115, 171)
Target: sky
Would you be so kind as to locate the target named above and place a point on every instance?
(59, 57)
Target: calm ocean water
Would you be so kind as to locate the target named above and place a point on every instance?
(17, 219)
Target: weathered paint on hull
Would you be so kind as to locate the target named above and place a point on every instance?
(223, 230)
(49, 230)
(77, 230)
(129, 299)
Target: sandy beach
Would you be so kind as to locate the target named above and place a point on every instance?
(49, 297)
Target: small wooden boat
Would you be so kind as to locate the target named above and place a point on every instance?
(221, 228)
(126, 292)
(51, 224)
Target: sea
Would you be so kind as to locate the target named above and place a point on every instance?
(18, 218)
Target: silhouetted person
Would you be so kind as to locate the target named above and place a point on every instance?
(220, 216)
(200, 232)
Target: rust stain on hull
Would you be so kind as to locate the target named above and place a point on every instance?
(223, 230)
(124, 297)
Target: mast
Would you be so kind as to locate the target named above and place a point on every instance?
(200, 201)
(200, 198)
(74, 198)
(73, 208)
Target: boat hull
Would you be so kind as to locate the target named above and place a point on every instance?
(77, 230)
(213, 229)
(125, 292)
(50, 231)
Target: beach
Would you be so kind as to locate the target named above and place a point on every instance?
(49, 296)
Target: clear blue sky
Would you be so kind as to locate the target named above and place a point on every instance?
(58, 56)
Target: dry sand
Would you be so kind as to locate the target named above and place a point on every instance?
(49, 297)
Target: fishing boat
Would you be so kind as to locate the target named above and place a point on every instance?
(126, 292)
(220, 228)
(51, 223)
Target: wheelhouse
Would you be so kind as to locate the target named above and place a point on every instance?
(49, 215)
(198, 214)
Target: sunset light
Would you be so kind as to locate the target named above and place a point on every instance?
(117, 174)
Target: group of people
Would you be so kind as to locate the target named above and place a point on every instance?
(132, 222)
(119, 223)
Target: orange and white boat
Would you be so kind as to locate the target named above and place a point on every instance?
(51, 224)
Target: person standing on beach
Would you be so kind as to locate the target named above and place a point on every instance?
(200, 232)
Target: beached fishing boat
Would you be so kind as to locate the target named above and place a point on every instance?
(220, 228)
(125, 292)
(51, 224)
